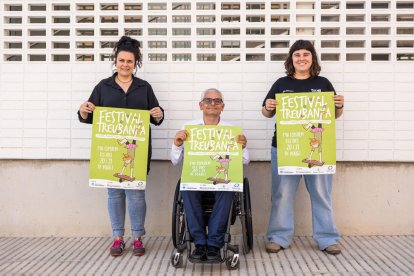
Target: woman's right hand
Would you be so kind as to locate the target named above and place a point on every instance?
(270, 104)
(269, 109)
(85, 109)
(180, 137)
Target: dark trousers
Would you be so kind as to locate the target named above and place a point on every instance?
(217, 224)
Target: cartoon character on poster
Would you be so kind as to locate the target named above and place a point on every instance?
(316, 141)
(223, 166)
(128, 157)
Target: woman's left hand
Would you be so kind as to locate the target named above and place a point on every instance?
(241, 139)
(156, 113)
(339, 101)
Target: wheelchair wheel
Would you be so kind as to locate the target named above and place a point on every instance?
(177, 221)
(247, 225)
(236, 209)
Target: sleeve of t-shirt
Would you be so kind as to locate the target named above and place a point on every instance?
(153, 102)
(176, 154)
(330, 86)
(271, 93)
(246, 156)
(93, 98)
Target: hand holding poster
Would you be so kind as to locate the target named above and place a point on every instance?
(119, 151)
(306, 140)
(212, 159)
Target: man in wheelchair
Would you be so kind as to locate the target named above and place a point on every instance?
(207, 246)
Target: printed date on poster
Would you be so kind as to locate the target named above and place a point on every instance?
(198, 168)
(292, 143)
(106, 157)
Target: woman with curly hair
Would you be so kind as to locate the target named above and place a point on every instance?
(124, 90)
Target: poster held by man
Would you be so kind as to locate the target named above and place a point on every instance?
(212, 159)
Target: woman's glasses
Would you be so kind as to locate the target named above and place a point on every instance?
(210, 100)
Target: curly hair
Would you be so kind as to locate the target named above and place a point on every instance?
(131, 45)
(315, 68)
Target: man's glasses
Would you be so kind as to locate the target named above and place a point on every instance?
(210, 101)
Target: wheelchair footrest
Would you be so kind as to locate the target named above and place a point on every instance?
(181, 247)
(205, 261)
(233, 248)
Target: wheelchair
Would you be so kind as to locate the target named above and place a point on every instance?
(241, 208)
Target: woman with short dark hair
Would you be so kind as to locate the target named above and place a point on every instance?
(302, 70)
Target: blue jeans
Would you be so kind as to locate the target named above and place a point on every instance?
(136, 208)
(217, 224)
(281, 222)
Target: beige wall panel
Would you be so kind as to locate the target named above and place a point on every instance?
(51, 198)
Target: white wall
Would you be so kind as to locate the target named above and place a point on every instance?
(39, 104)
(39, 99)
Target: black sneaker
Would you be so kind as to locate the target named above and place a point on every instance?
(213, 254)
(199, 252)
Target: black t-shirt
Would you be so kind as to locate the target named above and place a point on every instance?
(292, 85)
(140, 95)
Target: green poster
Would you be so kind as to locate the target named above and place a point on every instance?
(213, 161)
(306, 140)
(119, 150)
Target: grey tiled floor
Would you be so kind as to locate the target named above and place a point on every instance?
(361, 255)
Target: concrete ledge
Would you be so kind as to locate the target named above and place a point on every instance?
(52, 198)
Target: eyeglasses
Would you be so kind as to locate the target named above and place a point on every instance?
(210, 101)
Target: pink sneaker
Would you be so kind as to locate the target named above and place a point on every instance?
(117, 248)
(139, 249)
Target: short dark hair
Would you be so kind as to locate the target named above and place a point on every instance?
(131, 45)
(315, 69)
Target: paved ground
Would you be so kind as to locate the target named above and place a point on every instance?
(362, 255)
